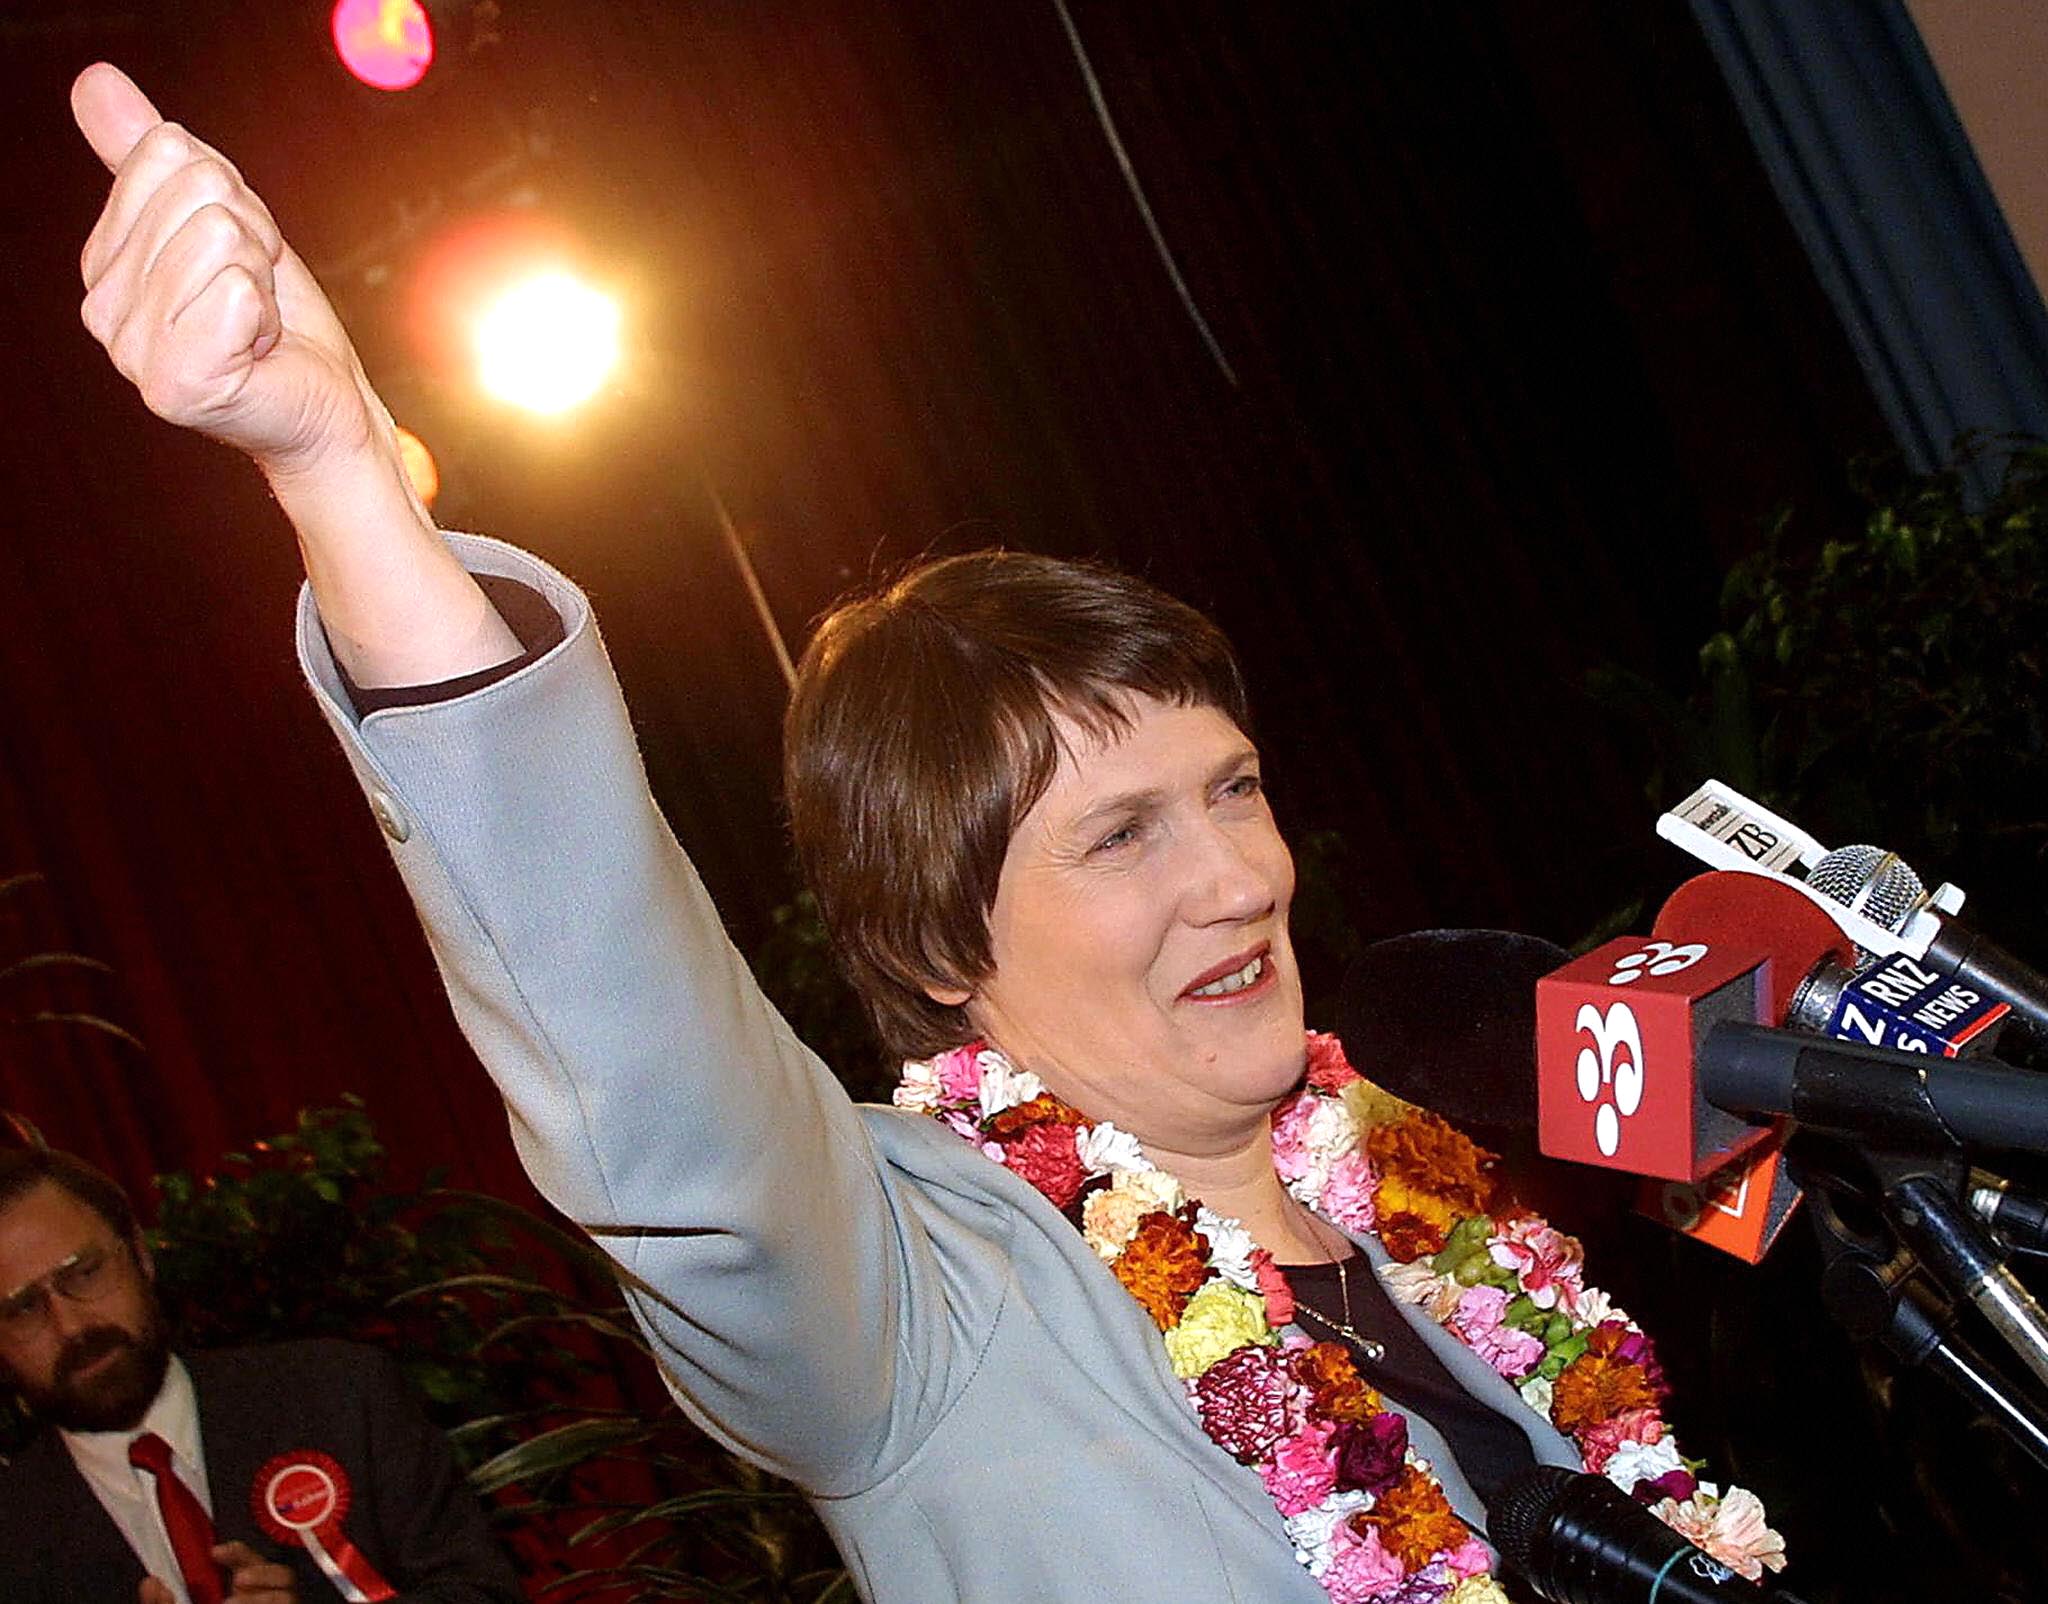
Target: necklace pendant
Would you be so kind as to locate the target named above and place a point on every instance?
(1370, 1351)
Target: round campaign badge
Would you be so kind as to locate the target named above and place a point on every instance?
(301, 1497)
(299, 1492)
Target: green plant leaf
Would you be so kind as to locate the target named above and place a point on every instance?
(668, 1509)
(563, 1448)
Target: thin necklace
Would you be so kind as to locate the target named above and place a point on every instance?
(1373, 1352)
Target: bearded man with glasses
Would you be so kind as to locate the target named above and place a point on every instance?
(147, 1479)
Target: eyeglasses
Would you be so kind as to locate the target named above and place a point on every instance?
(87, 1276)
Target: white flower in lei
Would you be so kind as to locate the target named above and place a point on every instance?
(919, 1090)
(1230, 1248)
(1313, 1530)
(1003, 1085)
(1105, 1149)
(1633, 1462)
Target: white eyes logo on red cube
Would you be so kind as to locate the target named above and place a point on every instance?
(1610, 1069)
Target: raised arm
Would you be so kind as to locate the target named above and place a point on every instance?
(796, 1290)
(215, 320)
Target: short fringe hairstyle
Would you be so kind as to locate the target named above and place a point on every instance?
(921, 732)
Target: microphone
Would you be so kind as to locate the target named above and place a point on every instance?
(1896, 1098)
(1884, 888)
(1446, 1019)
(1579, 1539)
(1891, 1002)
(1728, 948)
(1872, 894)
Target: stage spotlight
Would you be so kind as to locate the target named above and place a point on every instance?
(387, 44)
(547, 343)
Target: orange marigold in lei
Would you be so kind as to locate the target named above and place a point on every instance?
(1163, 1266)
(1038, 1111)
(1597, 1389)
(1332, 1379)
(1415, 1520)
(1426, 1156)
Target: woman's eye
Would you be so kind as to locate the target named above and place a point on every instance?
(1245, 785)
(1120, 837)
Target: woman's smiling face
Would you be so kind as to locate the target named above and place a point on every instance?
(1142, 962)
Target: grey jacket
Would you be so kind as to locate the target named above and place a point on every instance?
(850, 1296)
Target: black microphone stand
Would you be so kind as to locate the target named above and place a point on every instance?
(1894, 1127)
(1898, 1278)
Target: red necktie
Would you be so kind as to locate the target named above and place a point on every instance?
(186, 1522)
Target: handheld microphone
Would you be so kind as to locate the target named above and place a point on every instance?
(1579, 1539)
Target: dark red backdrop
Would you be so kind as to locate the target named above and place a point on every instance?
(1523, 350)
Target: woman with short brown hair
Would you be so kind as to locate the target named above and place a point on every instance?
(1058, 1359)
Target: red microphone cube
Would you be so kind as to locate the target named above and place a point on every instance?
(1616, 1033)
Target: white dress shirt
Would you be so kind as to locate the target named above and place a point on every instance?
(129, 1492)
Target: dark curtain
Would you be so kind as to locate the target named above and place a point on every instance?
(1523, 349)
(1878, 178)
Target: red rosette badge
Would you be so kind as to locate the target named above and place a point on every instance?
(302, 1497)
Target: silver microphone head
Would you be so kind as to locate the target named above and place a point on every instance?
(1878, 884)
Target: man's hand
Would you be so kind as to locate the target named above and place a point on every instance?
(199, 301)
(251, 1579)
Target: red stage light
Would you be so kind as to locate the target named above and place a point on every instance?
(388, 44)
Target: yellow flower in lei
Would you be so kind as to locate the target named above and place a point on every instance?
(1398, 1195)
(1218, 1320)
(1371, 1105)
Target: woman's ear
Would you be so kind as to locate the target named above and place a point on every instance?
(948, 996)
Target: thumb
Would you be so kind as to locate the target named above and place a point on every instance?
(153, 1591)
(111, 112)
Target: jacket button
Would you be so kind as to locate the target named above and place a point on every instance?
(390, 816)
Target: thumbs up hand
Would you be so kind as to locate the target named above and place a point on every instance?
(199, 300)
(212, 317)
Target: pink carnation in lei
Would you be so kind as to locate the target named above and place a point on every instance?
(1598, 1442)
(1303, 1471)
(1511, 1352)
(959, 1073)
(1274, 1289)
(1731, 1529)
(1348, 1195)
(1290, 1137)
(1361, 1570)
(1548, 1263)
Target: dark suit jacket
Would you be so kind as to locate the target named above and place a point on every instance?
(410, 1513)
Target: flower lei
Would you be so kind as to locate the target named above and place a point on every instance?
(1365, 1513)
